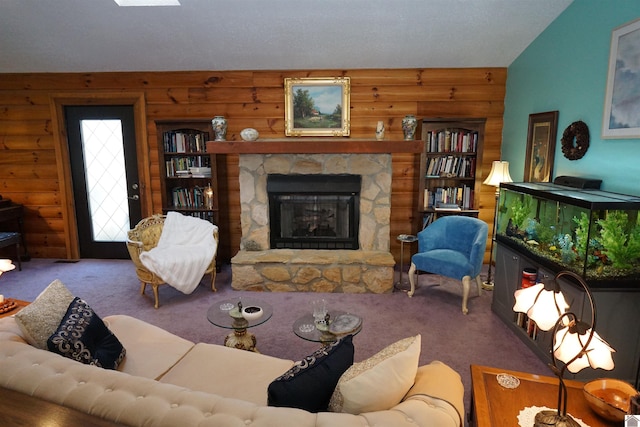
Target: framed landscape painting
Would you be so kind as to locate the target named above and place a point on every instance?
(317, 106)
(622, 100)
(541, 143)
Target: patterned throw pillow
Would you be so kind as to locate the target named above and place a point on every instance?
(83, 336)
(41, 318)
(391, 372)
(310, 382)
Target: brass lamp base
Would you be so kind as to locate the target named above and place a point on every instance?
(551, 418)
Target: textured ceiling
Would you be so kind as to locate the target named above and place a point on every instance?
(97, 35)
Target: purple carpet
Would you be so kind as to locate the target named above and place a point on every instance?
(480, 338)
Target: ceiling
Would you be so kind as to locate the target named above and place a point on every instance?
(98, 35)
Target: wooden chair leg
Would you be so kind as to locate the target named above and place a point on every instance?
(466, 285)
(155, 295)
(213, 280)
(412, 278)
(143, 286)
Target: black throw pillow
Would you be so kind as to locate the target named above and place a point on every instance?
(83, 336)
(310, 383)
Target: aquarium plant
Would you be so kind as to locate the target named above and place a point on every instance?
(520, 209)
(620, 241)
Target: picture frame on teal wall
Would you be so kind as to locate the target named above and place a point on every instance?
(622, 100)
(541, 146)
(317, 106)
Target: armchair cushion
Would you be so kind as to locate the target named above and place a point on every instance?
(452, 246)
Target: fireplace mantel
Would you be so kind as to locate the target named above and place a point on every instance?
(314, 146)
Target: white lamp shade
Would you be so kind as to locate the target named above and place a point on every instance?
(499, 173)
(542, 306)
(568, 345)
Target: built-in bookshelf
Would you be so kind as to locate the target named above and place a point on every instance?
(449, 184)
(188, 173)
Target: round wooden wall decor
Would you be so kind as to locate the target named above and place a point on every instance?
(580, 132)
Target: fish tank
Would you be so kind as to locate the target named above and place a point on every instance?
(594, 233)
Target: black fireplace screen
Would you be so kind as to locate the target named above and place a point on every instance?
(314, 211)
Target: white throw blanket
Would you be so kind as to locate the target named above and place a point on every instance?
(184, 251)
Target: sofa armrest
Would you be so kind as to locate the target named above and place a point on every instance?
(439, 381)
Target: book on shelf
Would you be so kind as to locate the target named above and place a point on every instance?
(185, 141)
(452, 140)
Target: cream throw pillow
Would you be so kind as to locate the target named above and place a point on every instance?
(41, 318)
(380, 382)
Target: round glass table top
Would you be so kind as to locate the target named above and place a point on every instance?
(225, 313)
(341, 323)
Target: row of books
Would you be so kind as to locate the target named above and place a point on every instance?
(177, 165)
(446, 140)
(188, 197)
(446, 198)
(185, 141)
(453, 166)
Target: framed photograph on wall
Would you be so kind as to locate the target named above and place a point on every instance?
(317, 106)
(541, 143)
(622, 100)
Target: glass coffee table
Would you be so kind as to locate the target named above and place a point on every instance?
(340, 324)
(226, 314)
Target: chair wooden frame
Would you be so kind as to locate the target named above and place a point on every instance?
(143, 237)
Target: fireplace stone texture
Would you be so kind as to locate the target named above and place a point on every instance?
(368, 269)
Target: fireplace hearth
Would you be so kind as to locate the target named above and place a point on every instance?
(356, 209)
(314, 211)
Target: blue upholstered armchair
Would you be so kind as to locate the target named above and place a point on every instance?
(452, 246)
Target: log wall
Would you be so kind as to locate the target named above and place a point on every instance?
(33, 162)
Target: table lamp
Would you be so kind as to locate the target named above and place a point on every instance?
(6, 265)
(574, 342)
(499, 173)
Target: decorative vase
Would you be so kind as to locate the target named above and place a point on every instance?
(409, 125)
(380, 131)
(219, 124)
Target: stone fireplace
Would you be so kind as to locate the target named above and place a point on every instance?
(314, 211)
(264, 264)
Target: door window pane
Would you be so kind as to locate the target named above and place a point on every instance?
(102, 145)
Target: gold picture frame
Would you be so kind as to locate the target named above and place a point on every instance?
(541, 147)
(315, 106)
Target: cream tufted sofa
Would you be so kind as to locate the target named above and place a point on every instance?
(166, 380)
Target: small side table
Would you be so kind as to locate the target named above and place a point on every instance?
(404, 238)
(225, 314)
(306, 328)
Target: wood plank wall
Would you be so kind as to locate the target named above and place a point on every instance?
(32, 156)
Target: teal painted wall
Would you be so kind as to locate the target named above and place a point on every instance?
(565, 69)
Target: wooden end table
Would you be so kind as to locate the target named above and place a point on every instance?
(495, 406)
(19, 306)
